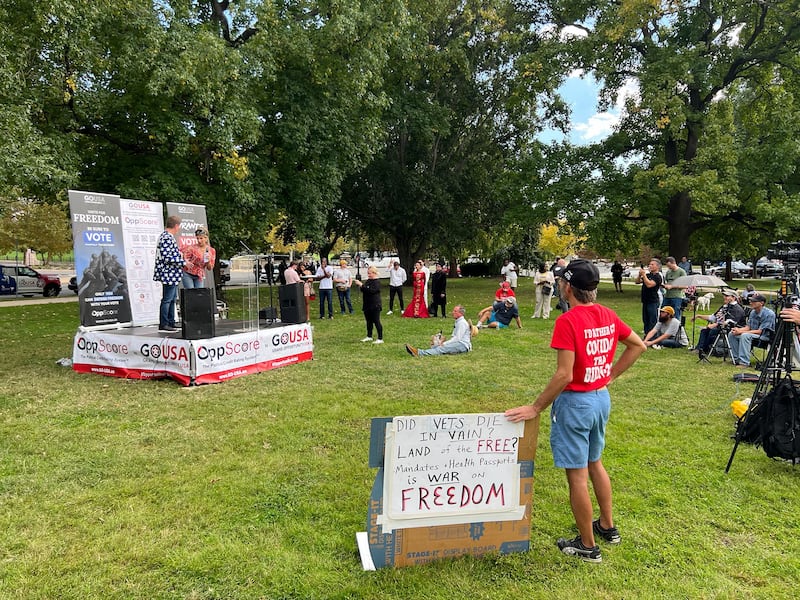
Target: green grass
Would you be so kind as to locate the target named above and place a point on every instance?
(255, 488)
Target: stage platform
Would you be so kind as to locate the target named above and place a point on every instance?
(235, 351)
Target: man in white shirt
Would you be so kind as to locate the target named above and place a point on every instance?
(397, 277)
(460, 341)
(427, 272)
(509, 271)
(324, 275)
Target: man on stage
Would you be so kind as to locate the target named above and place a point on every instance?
(168, 270)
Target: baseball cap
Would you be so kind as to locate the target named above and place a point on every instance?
(757, 298)
(669, 310)
(728, 292)
(581, 274)
(200, 231)
(510, 300)
(505, 285)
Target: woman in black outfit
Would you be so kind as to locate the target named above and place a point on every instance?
(371, 291)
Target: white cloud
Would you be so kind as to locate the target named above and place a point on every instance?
(598, 126)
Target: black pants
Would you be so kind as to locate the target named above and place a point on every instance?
(438, 300)
(396, 290)
(373, 317)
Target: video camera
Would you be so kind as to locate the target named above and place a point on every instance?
(786, 252)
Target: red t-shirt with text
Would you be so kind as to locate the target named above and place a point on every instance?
(592, 333)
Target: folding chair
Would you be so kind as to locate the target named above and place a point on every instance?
(757, 358)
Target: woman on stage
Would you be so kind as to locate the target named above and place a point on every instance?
(417, 308)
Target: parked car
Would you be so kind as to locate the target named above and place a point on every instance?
(768, 268)
(739, 270)
(24, 281)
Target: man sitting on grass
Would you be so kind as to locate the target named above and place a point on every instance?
(459, 342)
(667, 332)
(500, 314)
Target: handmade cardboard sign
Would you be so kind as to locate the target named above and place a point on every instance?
(448, 485)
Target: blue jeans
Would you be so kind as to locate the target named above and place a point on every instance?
(446, 348)
(344, 297)
(649, 315)
(190, 281)
(169, 294)
(325, 296)
(675, 303)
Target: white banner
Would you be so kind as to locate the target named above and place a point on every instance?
(142, 223)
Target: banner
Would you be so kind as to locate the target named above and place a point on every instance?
(103, 295)
(142, 223)
(192, 216)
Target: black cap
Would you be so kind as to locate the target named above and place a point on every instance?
(758, 298)
(581, 274)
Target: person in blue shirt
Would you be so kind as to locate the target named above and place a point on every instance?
(760, 326)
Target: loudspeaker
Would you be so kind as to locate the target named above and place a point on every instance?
(293, 303)
(197, 314)
(270, 313)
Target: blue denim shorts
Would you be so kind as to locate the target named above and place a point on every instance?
(493, 319)
(578, 427)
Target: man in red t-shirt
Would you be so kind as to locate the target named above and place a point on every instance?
(586, 340)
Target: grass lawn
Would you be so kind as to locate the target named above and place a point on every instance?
(255, 488)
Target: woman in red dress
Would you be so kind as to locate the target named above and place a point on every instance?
(417, 308)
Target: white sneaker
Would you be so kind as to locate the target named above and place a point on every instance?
(388, 312)
(378, 342)
(367, 339)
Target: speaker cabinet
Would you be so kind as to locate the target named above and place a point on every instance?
(197, 314)
(293, 303)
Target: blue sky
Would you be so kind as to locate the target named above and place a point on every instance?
(588, 125)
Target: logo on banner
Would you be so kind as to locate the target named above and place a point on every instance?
(100, 346)
(230, 349)
(165, 351)
(290, 337)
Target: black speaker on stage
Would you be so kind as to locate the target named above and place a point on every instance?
(293, 303)
(197, 314)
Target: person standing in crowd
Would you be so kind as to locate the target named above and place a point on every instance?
(281, 270)
(674, 295)
(686, 265)
(427, 272)
(557, 269)
(168, 270)
(417, 307)
(438, 290)
(543, 281)
(324, 275)
(199, 257)
(651, 280)
(371, 294)
(616, 276)
(290, 275)
(460, 341)
(586, 340)
(397, 277)
(343, 280)
(509, 272)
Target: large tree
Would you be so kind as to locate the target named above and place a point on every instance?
(668, 167)
(251, 108)
(463, 91)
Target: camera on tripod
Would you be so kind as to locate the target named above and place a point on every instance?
(786, 252)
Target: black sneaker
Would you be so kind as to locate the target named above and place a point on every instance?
(575, 547)
(167, 329)
(610, 535)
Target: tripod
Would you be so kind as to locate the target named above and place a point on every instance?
(778, 361)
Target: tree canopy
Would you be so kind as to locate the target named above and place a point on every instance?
(413, 124)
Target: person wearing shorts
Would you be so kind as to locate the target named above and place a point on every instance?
(586, 340)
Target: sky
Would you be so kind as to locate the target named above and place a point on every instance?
(589, 125)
